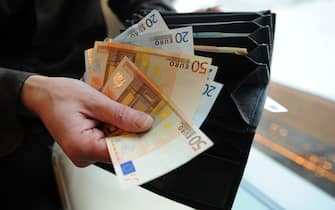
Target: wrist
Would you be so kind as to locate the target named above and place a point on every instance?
(34, 93)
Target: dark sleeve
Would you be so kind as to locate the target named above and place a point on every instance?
(11, 83)
(126, 9)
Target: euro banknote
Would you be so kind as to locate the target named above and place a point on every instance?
(175, 40)
(180, 77)
(150, 23)
(210, 93)
(95, 73)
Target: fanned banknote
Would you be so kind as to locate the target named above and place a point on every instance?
(172, 140)
(150, 23)
(175, 40)
(95, 74)
(179, 76)
(211, 91)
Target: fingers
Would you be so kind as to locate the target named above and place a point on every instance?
(124, 117)
(88, 148)
(79, 108)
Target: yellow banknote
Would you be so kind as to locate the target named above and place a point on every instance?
(171, 142)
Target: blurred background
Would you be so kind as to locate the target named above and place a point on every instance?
(292, 162)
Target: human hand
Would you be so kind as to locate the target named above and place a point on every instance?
(71, 111)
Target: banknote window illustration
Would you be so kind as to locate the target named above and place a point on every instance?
(118, 80)
(140, 97)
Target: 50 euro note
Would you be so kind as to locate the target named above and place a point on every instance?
(172, 140)
(95, 68)
(150, 23)
(180, 77)
(88, 63)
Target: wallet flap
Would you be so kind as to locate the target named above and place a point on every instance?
(249, 95)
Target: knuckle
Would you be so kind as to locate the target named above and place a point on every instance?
(121, 115)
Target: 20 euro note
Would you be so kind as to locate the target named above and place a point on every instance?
(175, 40)
(180, 77)
(172, 140)
(150, 23)
(211, 91)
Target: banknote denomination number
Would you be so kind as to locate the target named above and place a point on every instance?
(200, 68)
(181, 37)
(194, 140)
(151, 21)
(209, 90)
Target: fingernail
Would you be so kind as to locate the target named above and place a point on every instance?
(144, 121)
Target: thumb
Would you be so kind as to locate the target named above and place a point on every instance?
(106, 110)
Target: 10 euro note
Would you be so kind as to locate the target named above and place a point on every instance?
(172, 140)
(180, 77)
